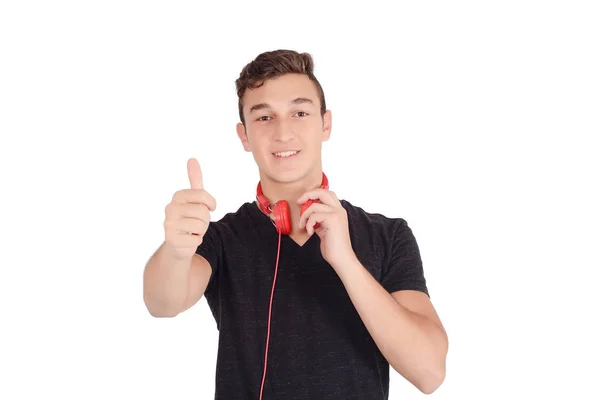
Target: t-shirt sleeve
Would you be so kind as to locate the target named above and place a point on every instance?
(211, 248)
(404, 267)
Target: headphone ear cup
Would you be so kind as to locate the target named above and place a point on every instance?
(281, 214)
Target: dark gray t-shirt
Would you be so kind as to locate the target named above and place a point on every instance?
(318, 346)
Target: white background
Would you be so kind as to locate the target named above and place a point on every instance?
(475, 121)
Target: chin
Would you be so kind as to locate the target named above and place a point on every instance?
(286, 175)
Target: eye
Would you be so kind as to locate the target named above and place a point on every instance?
(303, 113)
(263, 118)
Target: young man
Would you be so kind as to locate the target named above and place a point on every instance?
(312, 301)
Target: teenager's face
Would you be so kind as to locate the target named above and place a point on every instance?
(284, 128)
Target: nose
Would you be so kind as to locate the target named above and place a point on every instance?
(283, 131)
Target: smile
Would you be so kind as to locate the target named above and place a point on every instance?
(285, 154)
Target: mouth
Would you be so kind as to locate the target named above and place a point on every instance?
(286, 154)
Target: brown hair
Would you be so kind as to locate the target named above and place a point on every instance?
(272, 64)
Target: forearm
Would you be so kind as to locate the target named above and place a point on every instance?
(166, 283)
(413, 345)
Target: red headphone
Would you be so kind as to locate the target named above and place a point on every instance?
(281, 209)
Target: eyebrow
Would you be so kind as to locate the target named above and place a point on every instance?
(297, 100)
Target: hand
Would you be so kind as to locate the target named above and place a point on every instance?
(332, 226)
(187, 215)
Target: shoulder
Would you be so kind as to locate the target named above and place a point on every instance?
(225, 234)
(236, 220)
(385, 245)
(373, 223)
(377, 235)
(231, 227)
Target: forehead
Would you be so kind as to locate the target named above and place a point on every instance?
(278, 92)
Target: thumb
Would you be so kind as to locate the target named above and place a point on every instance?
(195, 174)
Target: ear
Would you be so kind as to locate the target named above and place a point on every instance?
(326, 125)
(241, 132)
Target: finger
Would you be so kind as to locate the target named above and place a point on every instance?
(196, 196)
(187, 240)
(315, 207)
(192, 226)
(195, 174)
(192, 210)
(325, 196)
(314, 219)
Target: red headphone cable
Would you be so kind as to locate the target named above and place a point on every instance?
(269, 320)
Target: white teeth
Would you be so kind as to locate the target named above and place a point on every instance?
(285, 153)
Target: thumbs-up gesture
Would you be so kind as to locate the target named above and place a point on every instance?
(188, 214)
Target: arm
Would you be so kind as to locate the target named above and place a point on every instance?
(172, 284)
(404, 325)
(176, 275)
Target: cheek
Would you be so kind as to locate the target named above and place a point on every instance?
(260, 147)
(258, 139)
(307, 124)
